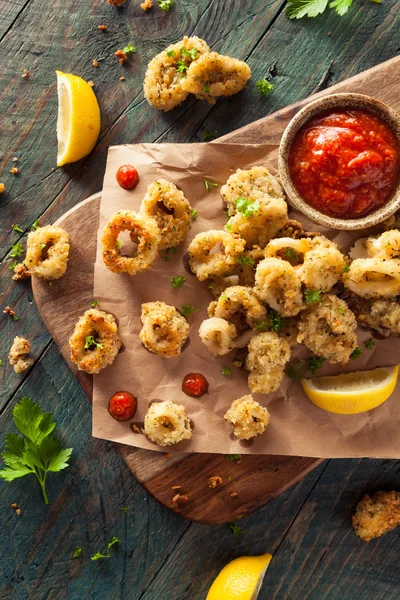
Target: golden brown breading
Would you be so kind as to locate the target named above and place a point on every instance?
(47, 251)
(218, 335)
(376, 515)
(214, 253)
(381, 315)
(166, 423)
(247, 417)
(21, 272)
(164, 329)
(19, 355)
(242, 299)
(268, 354)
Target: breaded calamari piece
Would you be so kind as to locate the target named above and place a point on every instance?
(214, 75)
(239, 299)
(381, 315)
(254, 184)
(19, 355)
(376, 515)
(373, 277)
(47, 252)
(218, 335)
(327, 328)
(166, 423)
(278, 284)
(247, 417)
(266, 359)
(167, 71)
(385, 246)
(214, 253)
(164, 329)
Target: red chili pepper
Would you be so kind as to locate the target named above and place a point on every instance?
(195, 385)
(122, 406)
(127, 177)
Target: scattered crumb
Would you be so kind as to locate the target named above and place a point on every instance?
(2, 188)
(180, 499)
(121, 56)
(102, 27)
(21, 272)
(25, 73)
(18, 511)
(9, 311)
(91, 83)
(19, 355)
(176, 487)
(167, 455)
(95, 63)
(14, 505)
(15, 159)
(116, 2)
(14, 171)
(53, 168)
(122, 78)
(329, 33)
(233, 494)
(136, 428)
(146, 4)
(214, 481)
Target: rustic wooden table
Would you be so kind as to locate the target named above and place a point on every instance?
(161, 556)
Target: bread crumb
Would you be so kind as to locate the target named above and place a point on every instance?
(15, 159)
(121, 56)
(102, 27)
(19, 355)
(95, 63)
(176, 487)
(233, 494)
(214, 481)
(14, 171)
(146, 4)
(18, 511)
(25, 73)
(167, 455)
(2, 188)
(21, 272)
(14, 505)
(180, 499)
(91, 83)
(122, 78)
(116, 2)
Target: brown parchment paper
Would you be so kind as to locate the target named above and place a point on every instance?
(297, 426)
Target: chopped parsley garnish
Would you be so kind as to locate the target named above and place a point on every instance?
(293, 370)
(35, 224)
(356, 353)
(243, 260)
(129, 49)
(369, 344)
(230, 477)
(181, 67)
(90, 343)
(206, 88)
(43, 246)
(312, 296)
(209, 184)
(190, 53)
(264, 87)
(194, 214)
(291, 254)
(1, 363)
(226, 213)
(119, 244)
(223, 296)
(346, 269)
(34, 452)
(235, 457)
(341, 310)
(226, 372)
(246, 206)
(314, 363)
(229, 226)
(236, 530)
(166, 4)
(187, 310)
(177, 281)
(17, 228)
(296, 9)
(263, 326)
(13, 265)
(95, 303)
(168, 253)
(209, 135)
(124, 509)
(98, 555)
(170, 53)
(77, 552)
(275, 320)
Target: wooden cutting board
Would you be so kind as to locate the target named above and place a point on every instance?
(255, 479)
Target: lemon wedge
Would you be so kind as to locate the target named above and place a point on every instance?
(352, 393)
(241, 579)
(78, 123)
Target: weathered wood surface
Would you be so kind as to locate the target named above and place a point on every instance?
(162, 557)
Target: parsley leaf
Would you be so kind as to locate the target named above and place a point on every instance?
(166, 4)
(314, 363)
(346, 269)
(177, 281)
(312, 296)
(95, 303)
(230, 477)
(187, 310)
(293, 370)
(35, 452)
(369, 344)
(296, 9)
(235, 457)
(190, 53)
(341, 6)
(170, 53)
(35, 224)
(226, 372)
(98, 555)
(169, 251)
(129, 49)
(264, 87)
(90, 343)
(181, 67)
(1, 363)
(228, 226)
(206, 88)
(17, 250)
(243, 260)
(275, 320)
(77, 552)
(291, 255)
(13, 265)
(246, 206)
(356, 353)
(236, 530)
(119, 244)
(17, 228)
(194, 214)
(209, 135)
(209, 184)
(263, 326)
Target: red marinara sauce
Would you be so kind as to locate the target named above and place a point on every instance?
(127, 177)
(345, 162)
(195, 385)
(122, 406)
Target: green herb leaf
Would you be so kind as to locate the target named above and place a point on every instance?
(95, 303)
(209, 185)
(119, 244)
(192, 53)
(293, 370)
(178, 281)
(296, 9)
(77, 552)
(166, 4)
(13, 265)
(246, 206)
(263, 326)
(275, 320)
(356, 353)
(209, 135)
(129, 49)
(110, 544)
(236, 530)
(90, 343)
(312, 296)
(124, 509)
(206, 88)
(170, 53)
(35, 224)
(187, 310)
(194, 214)
(346, 269)
(243, 260)
(235, 457)
(341, 310)
(226, 372)
(369, 344)
(181, 67)
(168, 253)
(1, 363)
(291, 255)
(264, 87)
(228, 226)
(17, 250)
(230, 477)
(341, 6)
(314, 363)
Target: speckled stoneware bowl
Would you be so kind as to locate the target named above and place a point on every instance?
(388, 115)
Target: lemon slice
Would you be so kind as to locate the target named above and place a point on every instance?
(352, 393)
(78, 123)
(240, 579)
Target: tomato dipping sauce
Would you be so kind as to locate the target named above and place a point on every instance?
(195, 385)
(345, 162)
(122, 406)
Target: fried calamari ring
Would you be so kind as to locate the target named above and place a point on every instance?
(381, 315)
(386, 246)
(279, 285)
(248, 417)
(143, 231)
(164, 329)
(166, 423)
(268, 215)
(95, 341)
(218, 335)
(289, 249)
(166, 73)
(169, 208)
(267, 356)
(219, 284)
(322, 268)
(240, 299)
(327, 328)
(373, 277)
(214, 253)
(254, 184)
(214, 75)
(47, 252)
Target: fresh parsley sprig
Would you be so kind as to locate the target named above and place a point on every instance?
(296, 9)
(209, 135)
(236, 530)
(129, 49)
(90, 343)
(209, 184)
(312, 296)
(17, 250)
(187, 310)
(243, 260)
(99, 555)
(178, 281)
(166, 4)
(264, 87)
(35, 451)
(246, 206)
